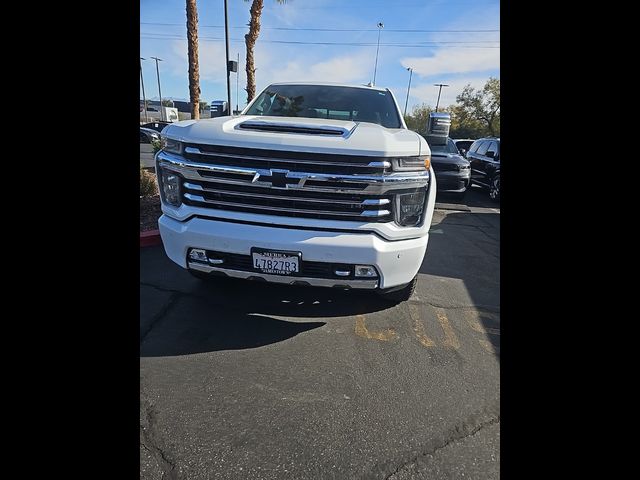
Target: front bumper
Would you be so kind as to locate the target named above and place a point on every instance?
(397, 262)
(453, 182)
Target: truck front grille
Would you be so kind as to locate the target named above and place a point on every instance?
(290, 184)
(293, 161)
(284, 202)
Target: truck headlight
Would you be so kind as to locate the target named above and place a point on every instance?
(170, 187)
(409, 207)
(411, 164)
(171, 145)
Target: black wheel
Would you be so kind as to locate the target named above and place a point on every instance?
(494, 190)
(401, 295)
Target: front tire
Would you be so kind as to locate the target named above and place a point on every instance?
(401, 295)
(494, 190)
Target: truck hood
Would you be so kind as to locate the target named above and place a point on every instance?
(299, 134)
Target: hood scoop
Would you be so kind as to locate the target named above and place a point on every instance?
(299, 128)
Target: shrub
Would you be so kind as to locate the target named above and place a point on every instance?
(148, 183)
(156, 146)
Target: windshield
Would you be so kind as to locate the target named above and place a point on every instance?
(328, 101)
(450, 147)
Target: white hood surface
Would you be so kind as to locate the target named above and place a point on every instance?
(361, 138)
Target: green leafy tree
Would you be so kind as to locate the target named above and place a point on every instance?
(464, 125)
(417, 120)
(482, 105)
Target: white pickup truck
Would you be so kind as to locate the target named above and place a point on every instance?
(312, 184)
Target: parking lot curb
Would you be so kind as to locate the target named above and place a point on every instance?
(150, 238)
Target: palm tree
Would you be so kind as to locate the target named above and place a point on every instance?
(250, 41)
(194, 71)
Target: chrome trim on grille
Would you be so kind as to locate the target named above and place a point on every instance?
(364, 213)
(316, 282)
(365, 203)
(376, 201)
(373, 184)
(197, 151)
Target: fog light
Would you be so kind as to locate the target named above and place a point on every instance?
(366, 271)
(170, 184)
(198, 255)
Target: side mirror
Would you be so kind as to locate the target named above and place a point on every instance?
(491, 154)
(463, 152)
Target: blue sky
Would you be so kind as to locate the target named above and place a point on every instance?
(462, 46)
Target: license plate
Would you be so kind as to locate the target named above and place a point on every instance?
(276, 263)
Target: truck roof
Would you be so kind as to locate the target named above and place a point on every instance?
(332, 84)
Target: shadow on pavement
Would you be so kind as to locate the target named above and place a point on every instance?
(195, 326)
(292, 301)
(469, 246)
(475, 197)
(229, 314)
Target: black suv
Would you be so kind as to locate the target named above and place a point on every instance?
(451, 169)
(484, 156)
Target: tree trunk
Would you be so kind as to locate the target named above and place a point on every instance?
(250, 41)
(194, 71)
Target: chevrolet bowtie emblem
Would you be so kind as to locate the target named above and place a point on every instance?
(279, 179)
(282, 179)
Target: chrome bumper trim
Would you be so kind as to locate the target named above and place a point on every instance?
(315, 282)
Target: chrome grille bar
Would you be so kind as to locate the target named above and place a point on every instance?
(364, 213)
(364, 203)
(197, 151)
(370, 184)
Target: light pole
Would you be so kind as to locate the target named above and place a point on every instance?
(144, 97)
(375, 68)
(408, 88)
(439, 85)
(237, 81)
(159, 91)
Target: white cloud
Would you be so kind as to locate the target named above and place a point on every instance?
(353, 68)
(211, 59)
(454, 60)
(428, 93)
(281, 65)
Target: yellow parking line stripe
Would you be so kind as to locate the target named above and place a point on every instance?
(450, 338)
(418, 327)
(361, 330)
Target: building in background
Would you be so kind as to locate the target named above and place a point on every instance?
(178, 110)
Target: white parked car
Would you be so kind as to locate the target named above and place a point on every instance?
(312, 184)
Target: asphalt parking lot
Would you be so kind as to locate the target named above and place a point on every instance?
(246, 380)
